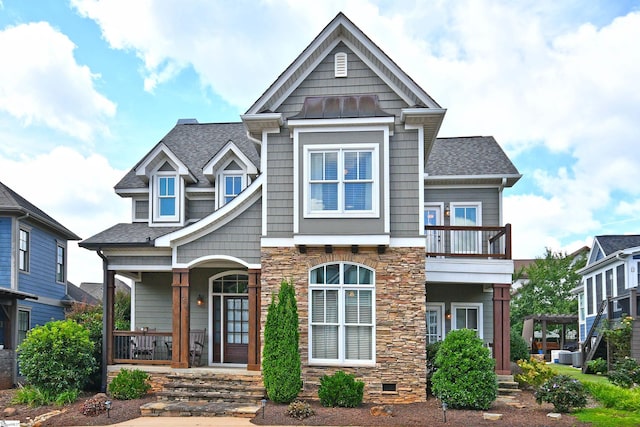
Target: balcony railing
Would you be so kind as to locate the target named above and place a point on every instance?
(468, 242)
(142, 347)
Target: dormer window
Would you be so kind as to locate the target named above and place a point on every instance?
(232, 186)
(166, 198)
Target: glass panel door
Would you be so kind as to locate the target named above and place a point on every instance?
(432, 216)
(434, 323)
(236, 329)
(465, 241)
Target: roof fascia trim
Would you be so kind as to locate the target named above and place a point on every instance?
(141, 169)
(211, 167)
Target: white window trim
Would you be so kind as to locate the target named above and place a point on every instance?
(222, 189)
(341, 288)
(477, 305)
(154, 201)
(28, 251)
(341, 125)
(135, 218)
(341, 212)
(65, 262)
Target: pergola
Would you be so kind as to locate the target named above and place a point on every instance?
(544, 319)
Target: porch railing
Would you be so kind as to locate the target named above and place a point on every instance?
(468, 242)
(145, 347)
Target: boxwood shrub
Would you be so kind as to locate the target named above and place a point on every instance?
(465, 376)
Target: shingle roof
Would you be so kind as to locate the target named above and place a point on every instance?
(614, 243)
(195, 144)
(473, 155)
(10, 201)
(136, 234)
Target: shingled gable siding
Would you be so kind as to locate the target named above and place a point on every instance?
(361, 80)
(400, 316)
(404, 181)
(239, 238)
(198, 209)
(489, 197)
(280, 185)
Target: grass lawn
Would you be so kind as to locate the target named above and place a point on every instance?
(602, 416)
(577, 374)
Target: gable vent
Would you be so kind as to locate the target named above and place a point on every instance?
(340, 60)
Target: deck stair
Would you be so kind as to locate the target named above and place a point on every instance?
(208, 394)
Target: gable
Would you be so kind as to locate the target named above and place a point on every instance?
(342, 35)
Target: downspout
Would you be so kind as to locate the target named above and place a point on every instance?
(500, 189)
(105, 331)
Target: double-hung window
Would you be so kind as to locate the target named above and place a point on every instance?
(166, 197)
(23, 251)
(232, 187)
(60, 263)
(342, 314)
(342, 181)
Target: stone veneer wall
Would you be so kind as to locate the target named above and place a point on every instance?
(7, 366)
(400, 316)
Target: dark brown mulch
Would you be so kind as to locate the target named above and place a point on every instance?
(71, 415)
(422, 414)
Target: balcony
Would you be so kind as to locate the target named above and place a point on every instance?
(468, 242)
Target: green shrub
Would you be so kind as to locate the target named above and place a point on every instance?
(90, 317)
(432, 350)
(563, 392)
(129, 384)
(614, 397)
(518, 348)
(465, 376)
(33, 397)
(57, 357)
(625, 373)
(534, 373)
(340, 389)
(597, 366)
(299, 410)
(281, 369)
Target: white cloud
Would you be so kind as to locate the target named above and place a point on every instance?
(561, 74)
(42, 84)
(76, 191)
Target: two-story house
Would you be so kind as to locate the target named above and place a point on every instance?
(33, 274)
(335, 180)
(609, 291)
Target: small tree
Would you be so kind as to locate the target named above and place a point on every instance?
(280, 358)
(465, 376)
(57, 357)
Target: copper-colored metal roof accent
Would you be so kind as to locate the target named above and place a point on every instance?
(340, 107)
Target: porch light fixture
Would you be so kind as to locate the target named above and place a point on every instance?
(200, 300)
(447, 314)
(447, 210)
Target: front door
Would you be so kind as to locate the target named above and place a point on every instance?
(236, 333)
(230, 318)
(434, 237)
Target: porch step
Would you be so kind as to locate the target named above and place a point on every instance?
(208, 394)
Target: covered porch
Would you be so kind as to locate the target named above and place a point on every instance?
(198, 320)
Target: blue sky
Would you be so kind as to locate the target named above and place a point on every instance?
(88, 87)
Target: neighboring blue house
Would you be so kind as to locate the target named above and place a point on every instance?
(609, 290)
(33, 273)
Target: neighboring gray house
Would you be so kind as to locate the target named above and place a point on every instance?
(335, 180)
(609, 291)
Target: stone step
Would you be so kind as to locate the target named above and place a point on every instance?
(210, 396)
(198, 409)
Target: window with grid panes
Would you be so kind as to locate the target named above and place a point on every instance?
(342, 313)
